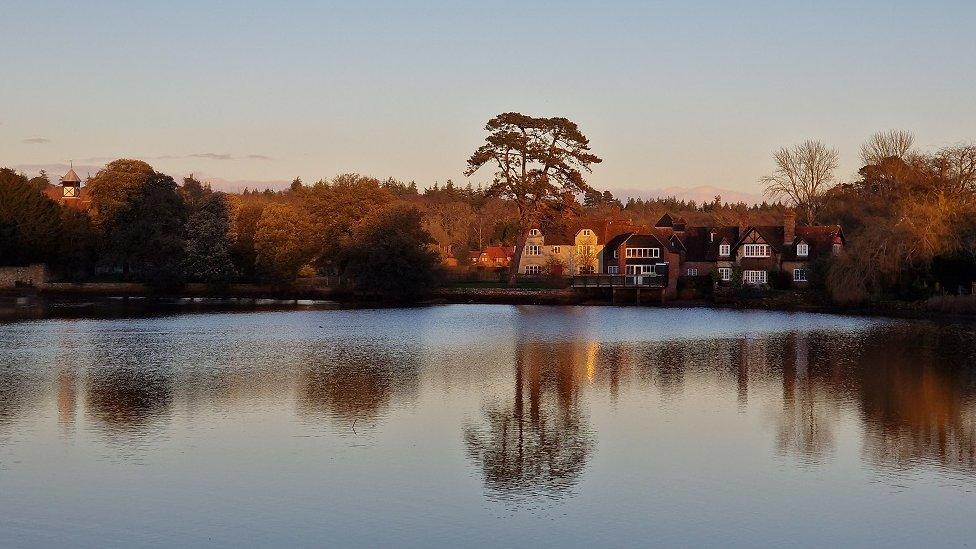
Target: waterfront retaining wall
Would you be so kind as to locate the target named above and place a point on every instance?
(28, 275)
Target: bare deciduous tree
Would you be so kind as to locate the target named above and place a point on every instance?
(887, 144)
(803, 174)
(956, 166)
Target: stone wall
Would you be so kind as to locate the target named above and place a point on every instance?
(30, 275)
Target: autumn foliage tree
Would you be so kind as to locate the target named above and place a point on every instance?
(282, 242)
(906, 212)
(139, 215)
(536, 160)
(334, 207)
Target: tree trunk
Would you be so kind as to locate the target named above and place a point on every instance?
(526, 222)
(517, 259)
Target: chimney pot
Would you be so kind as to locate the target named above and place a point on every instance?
(789, 227)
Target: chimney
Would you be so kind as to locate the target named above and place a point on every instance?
(789, 227)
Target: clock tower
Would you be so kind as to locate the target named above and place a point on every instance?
(71, 184)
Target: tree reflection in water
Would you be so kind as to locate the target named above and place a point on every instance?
(127, 398)
(911, 386)
(17, 390)
(541, 451)
(922, 407)
(353, 385)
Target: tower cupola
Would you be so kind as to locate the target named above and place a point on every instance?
(71, 184)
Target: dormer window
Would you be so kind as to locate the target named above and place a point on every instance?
(535, 232)
(802, 249)
(724, 250)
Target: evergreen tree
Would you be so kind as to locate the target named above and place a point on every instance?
(30, 223)
(208, 256)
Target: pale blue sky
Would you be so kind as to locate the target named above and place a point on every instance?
(682, 93)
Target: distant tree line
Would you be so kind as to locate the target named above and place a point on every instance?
(908, 217)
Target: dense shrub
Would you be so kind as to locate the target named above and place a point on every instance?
(389, 254)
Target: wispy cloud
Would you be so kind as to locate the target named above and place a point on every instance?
(224, 156)
(37, 140)
(212, 156)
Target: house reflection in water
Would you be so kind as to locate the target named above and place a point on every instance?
(806, 423)
(67, 397)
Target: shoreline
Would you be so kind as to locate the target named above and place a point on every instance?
(132, 295)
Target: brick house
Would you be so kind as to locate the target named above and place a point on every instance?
(646, 256)
(672, 249)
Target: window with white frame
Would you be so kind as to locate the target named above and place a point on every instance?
(725, 273)
(616, 254)
(555, 250)
(643, 252)
(535, 232)
(754, 277)
(724, 250)
(641, 270)
(799, 275)
(587, 232)
(613, 269)
(802, 249)
(533, 269)
(756, 250)
(692, 271)
(585, 269)
(533, 249)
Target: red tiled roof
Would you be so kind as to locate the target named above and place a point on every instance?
(495, 252)
(82, 203)
(492, 253)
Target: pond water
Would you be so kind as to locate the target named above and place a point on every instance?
(482, 425)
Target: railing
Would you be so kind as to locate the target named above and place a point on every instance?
(649, 280)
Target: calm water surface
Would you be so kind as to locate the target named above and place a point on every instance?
(487, 426)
